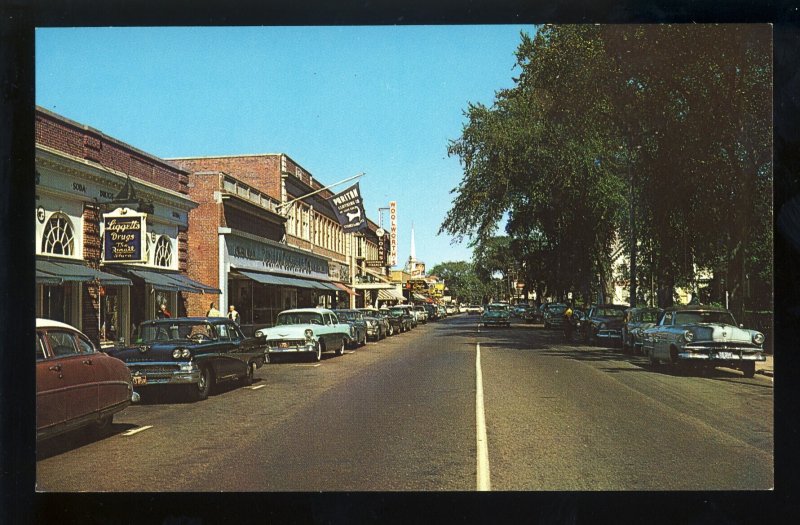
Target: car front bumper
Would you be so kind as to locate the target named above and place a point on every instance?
(166, 373)
(495, 320)
(610, 335)
(722, 355)
(311, 347)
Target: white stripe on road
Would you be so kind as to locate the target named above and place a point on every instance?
(257, 387)
(136, 430)
(483, 446)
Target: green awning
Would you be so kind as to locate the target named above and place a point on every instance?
(192, 285)
(282, 280)
(157, 280)
(46, 278)
(76, 272)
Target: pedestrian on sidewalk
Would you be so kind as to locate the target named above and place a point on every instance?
(233, 315)
(213, 312)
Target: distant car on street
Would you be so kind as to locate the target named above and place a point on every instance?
(307, 331)
(409, 310)
(553, 315)
(194, 353)
(603, 322)
(421, 313)
(76, 384)
(703, 336)
(378, 326)
(355, 319)
(496, 314)
(401, 318)
(474, 309)
(637, 320)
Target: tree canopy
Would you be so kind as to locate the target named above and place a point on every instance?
(660, 134)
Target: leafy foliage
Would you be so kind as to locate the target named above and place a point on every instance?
(663, 129)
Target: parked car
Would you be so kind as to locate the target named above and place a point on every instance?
(377, 325)
(402, 317)
(196, 353)
(76, 384)
(637, 320)
(496, 314)
(603, 322)
(451, 309)
(392, 325)
(530, 314)
(410, 311)
(421, 313)
(433, 311)
(703, 336)
(553, 315)
(442, 311)
(355, 319)
(308, 331)
(474, 309)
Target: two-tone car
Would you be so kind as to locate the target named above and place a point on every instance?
(76, 384)
(636, 321)
(496, 314)
(378, 326)
(603, 324)
(195, 353)
(409, 310)
(356, 320)
(421, 313)
(307, 332)
(703, 336)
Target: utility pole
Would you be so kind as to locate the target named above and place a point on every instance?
(633, 234)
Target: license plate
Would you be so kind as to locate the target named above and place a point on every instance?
(724, 355)
(139, 380)
(283, 344)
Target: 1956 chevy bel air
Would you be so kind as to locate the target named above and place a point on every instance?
(308, 331)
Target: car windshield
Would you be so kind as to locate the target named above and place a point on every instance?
(396, 312)
(692, 317)
(497, 308)
(556, 308)
(287, 318)
(175, 331)
(609, 312)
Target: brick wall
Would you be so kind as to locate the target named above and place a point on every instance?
(91, 254)
(203, 248)
(262, 172)
(70, 137)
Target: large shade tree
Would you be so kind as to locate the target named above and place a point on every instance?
(654, 140)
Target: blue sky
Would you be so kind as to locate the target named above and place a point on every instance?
(338, 100)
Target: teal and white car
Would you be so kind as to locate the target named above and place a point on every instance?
(306, 331)
(497, 314)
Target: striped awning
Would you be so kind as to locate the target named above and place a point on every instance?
(390, 295)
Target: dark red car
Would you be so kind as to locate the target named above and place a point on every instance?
(76, 385)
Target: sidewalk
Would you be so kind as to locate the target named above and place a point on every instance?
(765, 367)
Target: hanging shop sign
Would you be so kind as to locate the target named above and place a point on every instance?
(349, 209)
(393, 233)
(124, 233)
(383, 240)
(374, 263)
(419, 286)
(436, 290)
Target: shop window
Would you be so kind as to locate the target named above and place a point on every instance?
(59, 236)
(163, 252)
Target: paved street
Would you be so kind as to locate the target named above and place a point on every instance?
(401, 415)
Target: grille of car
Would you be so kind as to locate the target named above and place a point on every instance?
(154, 369)
(277, 343)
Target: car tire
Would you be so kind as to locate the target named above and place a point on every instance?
(749, 369)
(202, 389)
(102, 425)
(654, 363)
(247, 378)
(340, 350)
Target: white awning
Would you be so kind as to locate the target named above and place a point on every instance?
(390, 295)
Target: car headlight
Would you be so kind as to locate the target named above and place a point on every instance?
(688, 336)
(181, 353)
(309, 333)
(602, 326)
(758, 338)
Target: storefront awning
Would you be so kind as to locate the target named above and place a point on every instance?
(418, 297)
(191, 285)
(157, 280)
(62, 271)
(46, 278)
(343, 288)
(390, 295)
(282, 280)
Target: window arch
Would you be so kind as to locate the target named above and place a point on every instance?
(58, 237)
(163, 252)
